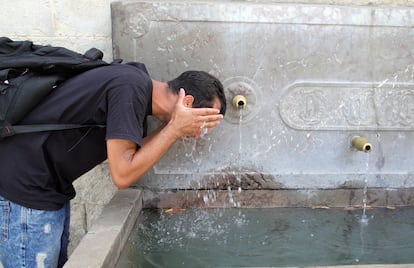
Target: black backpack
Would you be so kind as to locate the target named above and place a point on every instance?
(28, 73)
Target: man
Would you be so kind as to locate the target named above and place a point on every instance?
(37, 169)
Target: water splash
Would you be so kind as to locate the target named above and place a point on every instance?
(189, 145)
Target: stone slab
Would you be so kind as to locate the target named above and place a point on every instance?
(326, 198)
(314, 75)
(102, 244)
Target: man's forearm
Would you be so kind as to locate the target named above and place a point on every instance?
(128, 164)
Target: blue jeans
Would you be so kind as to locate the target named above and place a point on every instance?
(33, 238)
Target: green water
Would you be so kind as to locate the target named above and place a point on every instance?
(276, 237)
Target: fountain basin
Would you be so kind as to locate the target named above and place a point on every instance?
(269, 237)
(104, 243)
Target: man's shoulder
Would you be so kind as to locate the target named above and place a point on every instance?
(128, 69)
(137, 65)
(132, 66)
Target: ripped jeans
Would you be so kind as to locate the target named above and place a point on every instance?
(33, 238)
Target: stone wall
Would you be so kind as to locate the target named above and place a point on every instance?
(314, 77)
(79, 25)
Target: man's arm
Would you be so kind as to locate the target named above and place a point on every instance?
(129, 163)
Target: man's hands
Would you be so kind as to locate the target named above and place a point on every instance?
(192, 122)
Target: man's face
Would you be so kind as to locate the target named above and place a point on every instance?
(189, 101)
(217, 104)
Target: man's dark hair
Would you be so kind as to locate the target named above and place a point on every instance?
(204, 87)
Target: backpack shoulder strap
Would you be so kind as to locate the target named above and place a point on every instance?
(7, 130)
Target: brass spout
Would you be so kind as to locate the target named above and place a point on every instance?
(361, 144)
(239, 102)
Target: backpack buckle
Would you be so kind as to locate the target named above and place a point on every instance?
(6, 130)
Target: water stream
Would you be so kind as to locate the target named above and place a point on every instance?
(240, 156)
(364, 218)
(238, 163)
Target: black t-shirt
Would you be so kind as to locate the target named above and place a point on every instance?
(37, 169)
